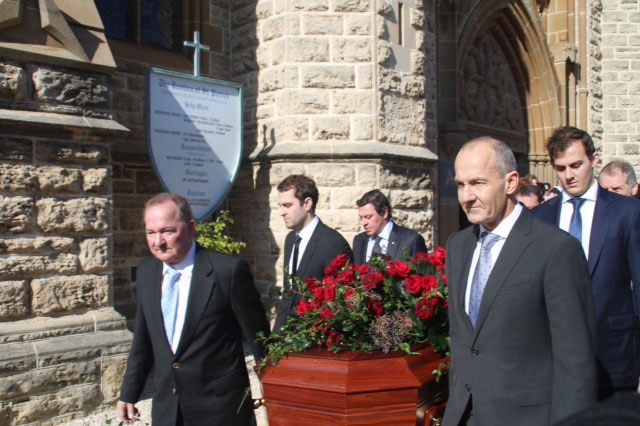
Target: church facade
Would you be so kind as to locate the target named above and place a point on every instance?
(357, 94)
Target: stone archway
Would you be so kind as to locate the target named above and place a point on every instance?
(502, 83)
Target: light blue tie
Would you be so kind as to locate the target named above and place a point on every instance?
(481, 274)
(575, 227)
(169, 302)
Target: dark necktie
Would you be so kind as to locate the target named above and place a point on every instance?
(169, 302)
(575, 227)
(481, 274)
(376, 247)
(296, 248)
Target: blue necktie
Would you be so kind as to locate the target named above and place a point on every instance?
(169, 302)
(575, 227)
(481, 274)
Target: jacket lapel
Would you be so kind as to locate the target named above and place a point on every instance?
(308, 254)
(392, 248)
(599, 227)
(202, 285)
(516, 243)
(466, 253)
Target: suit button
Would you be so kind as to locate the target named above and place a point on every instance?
(467, 387)
(175, 365)
(475, 351)
(174, 391)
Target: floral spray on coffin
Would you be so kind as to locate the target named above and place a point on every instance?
(369, 346)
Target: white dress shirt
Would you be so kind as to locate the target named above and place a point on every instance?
(305, 236)
(586, 212)
(184, 286)
(384, 240)
(503, 230)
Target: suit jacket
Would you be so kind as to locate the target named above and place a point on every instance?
(401, 241)
(207, 376)
(614, 261)
(531, 358)
(323, 246)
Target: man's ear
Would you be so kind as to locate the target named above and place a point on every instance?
(308, 204)
(596, 159)
(512, 180)
(634, 189)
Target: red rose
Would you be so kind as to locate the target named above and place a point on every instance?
(333, 339)
(429, 283)
(413, 284)
(399, 269)
(438, 257)
(420, 257)
(318, 293)
(349, 293)
(372, 280)
(330, 292)
(329, 281)
(346, 277)
(303, 307)
(312, 282)
(375, 307)
(425, 308)
(336, 264)
(326, 313)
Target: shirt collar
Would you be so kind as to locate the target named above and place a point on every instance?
(590, 194)
(186, 262)
(386, 231)
(307, 231)
(504, 228)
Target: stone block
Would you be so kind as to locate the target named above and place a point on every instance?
(59, 152)
(408, 199)
(23, 266)
(307, 49)
(37, 245)
(330, 128)
(358, 24)
(95, 255)
(37, 407)
(353, 102)
(59, 180)
(322, 24)
(89, 214)
(364, 76)
(303, 102)
(273, 28)
(46, 380)
(57, 294)
(362, 128)
(113, 368)
(95, 180)
(82, 347)
(354, 6)
(16, 358)
(16, 150)
(308, 5)
(14, 300)
(70, 88)
(352, 50)
(328, 76)
(331, 175)
(366, 177)
(14, 81)
(18, 178)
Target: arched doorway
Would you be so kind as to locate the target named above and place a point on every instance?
(496, 77)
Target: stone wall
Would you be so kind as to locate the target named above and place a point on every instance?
(614, 78)
(62, 347)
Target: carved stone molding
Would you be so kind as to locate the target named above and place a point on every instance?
(61, 32)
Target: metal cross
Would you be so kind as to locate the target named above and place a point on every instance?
(196, 53)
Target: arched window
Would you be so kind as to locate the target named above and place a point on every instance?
(153, 23)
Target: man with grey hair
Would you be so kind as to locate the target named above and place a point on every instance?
(619, 176)
(521, 312)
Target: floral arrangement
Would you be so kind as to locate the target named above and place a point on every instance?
(383, 305)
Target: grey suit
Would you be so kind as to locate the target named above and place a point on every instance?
(531, 358)
(323, 246)
(402, 241)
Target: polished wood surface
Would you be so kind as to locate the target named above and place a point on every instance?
(354, 388)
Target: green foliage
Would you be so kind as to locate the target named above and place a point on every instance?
(213, 235)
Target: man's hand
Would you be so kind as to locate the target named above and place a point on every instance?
(127, 412)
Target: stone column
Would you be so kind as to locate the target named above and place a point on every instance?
(344, 92)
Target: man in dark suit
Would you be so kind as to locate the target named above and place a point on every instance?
(521, 312)
(381, 235)
(190, 328)
(309, 247)
(610, 237)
